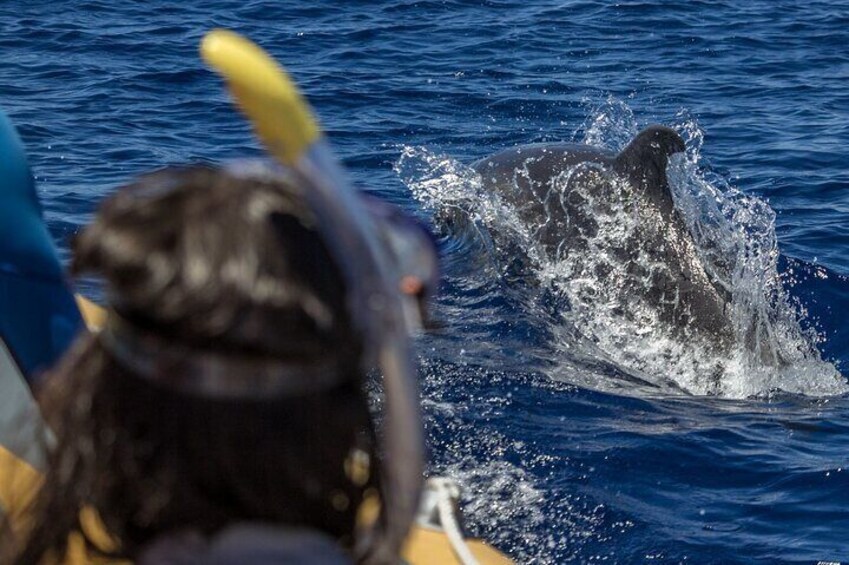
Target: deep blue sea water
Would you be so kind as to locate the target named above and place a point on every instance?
(559, 466)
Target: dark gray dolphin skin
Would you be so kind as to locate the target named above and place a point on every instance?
(565, 188)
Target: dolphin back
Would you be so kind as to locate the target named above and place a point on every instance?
(564, 190)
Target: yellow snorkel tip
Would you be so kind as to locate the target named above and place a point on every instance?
(266, 94)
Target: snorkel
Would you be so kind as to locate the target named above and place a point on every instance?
(290, 133)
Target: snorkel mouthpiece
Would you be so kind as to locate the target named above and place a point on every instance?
(287, 128)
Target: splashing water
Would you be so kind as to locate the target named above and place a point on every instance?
(604, 333)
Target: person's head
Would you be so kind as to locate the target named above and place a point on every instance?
(227, 383)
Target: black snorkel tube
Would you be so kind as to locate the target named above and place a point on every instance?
(286, 126)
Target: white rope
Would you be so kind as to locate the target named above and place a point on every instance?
(446, 493)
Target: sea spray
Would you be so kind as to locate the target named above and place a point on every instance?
(605, 332)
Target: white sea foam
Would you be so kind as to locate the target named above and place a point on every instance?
(505, 504)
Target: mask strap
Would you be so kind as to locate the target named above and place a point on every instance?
(207, 373)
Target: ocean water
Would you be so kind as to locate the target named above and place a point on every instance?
(577, 437)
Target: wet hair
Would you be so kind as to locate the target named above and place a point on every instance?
(213, 262)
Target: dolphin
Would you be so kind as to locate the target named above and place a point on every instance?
(567, 190)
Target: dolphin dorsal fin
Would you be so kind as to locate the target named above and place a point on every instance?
(645, 159)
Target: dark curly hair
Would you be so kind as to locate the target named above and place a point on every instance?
(218, 263)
